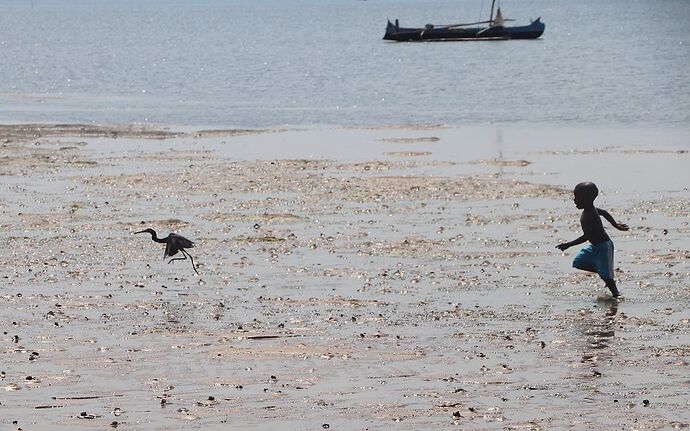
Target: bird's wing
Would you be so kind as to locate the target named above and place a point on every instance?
(170, 248)
(181, 241)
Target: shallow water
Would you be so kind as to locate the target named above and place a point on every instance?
(369, 291)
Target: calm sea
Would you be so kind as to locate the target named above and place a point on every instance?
(261, 63)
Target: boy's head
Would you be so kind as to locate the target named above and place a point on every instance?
(585, 193)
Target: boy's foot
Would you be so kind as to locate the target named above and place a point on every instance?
(607, 298)
(612, 287)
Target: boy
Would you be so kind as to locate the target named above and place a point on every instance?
(598, 257)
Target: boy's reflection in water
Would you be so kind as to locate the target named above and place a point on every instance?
(599, 329)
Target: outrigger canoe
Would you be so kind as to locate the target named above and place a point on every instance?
(493, 29)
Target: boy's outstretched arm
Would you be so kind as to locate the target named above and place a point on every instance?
(607, 216)
(566, 245)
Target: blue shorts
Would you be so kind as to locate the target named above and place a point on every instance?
(596, 258)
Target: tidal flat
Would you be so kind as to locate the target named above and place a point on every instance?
(360, 278)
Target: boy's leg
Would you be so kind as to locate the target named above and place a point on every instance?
(607, 270)
(611, 284)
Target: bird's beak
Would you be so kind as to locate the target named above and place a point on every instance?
(142, 231)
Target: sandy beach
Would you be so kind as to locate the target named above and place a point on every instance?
(358, 278)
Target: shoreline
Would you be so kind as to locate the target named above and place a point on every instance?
(359, 278)
(188, 128)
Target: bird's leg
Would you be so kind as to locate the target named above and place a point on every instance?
(186, 255)
(177, 258)
(192, 259)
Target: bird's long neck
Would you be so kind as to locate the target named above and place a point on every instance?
(154, 236)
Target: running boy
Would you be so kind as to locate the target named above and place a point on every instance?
(598, 257)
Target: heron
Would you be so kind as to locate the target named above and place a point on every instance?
(174, 243)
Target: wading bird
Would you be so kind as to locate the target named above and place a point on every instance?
(174, 243)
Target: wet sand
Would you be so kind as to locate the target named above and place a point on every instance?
(350, 279)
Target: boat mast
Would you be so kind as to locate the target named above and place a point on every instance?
(491, 17)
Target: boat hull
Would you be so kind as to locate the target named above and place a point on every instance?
(447, 33)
